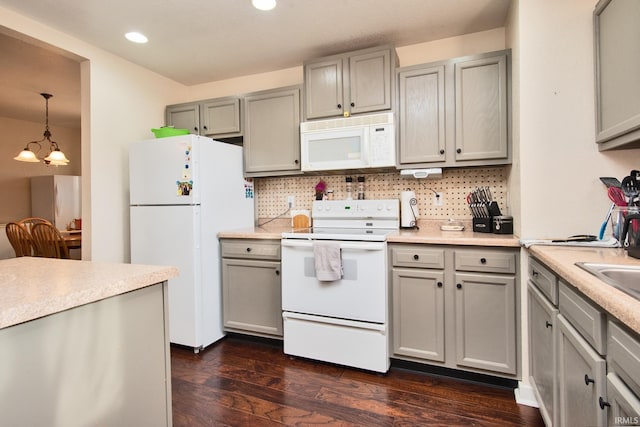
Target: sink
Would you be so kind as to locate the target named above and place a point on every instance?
(623, 277)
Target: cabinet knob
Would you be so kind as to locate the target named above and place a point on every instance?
(588, 380)
(339, 106)
(416, 257)
(205, 128)
(353, 104)
(459, 150)
(442, 151)
(483, 260)
(603, 403)
(439, 284)
(195, 128)
(548, 324)
(248, 249)
(296, 161)
(277, 272)
(459, 286)
(534, 273)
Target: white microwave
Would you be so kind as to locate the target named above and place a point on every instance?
(348, 143)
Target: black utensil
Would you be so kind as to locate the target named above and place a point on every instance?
(630, 189)
(577, 238)
(610, 181)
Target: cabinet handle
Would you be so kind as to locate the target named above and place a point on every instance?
(483, 260)
(248, 249)
(441, 151)
(416, 257)
(277, 272)
(603, 403)
(439, 284)
(459, 150)
(548, 324)
(339, 106)
(353, 104)
(588, 380)
(534, 273)
(459, 286)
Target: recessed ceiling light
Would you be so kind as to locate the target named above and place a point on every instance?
(264, 4)
(136, 37)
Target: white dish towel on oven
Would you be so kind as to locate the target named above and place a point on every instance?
(328, 260)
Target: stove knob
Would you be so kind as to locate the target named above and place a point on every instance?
(380, 207)
(327, 208)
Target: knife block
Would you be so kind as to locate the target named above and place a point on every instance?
(483, 225)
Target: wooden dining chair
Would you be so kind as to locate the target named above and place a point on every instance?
(20, 239)
(28, 223)
(48, 241)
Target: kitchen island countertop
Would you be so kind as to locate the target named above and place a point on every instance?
(36, 287)
(562, 259)
(428, 233)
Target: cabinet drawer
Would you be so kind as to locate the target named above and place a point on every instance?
(252, 249)
(544, 280)
(583, 315)
(417, 256)
(623, 355)
(485, 261)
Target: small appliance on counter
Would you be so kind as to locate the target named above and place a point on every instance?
(409, 213)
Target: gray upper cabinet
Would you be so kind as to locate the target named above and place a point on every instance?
(481, 109)
(350, 83)
(220, 117)
(272, 132)
(455, 112)
(184, 116)
(617, 65)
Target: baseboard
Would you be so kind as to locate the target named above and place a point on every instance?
(525, 396)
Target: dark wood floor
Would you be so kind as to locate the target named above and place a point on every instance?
(239, 382)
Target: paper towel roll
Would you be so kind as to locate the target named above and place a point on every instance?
(409, 209)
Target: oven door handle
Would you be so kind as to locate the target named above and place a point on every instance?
(378, 327)
(362, 246)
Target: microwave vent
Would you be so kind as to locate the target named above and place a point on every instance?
(341, 123)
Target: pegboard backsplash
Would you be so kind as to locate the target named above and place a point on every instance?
(455, 184)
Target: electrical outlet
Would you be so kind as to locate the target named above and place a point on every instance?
(291, 200)
(438, 200)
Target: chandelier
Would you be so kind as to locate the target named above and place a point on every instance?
(55, 156)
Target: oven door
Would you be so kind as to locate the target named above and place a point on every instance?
(360, 295)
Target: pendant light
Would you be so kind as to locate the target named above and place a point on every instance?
(55, 156)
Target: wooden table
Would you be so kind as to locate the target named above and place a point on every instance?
(72, 238)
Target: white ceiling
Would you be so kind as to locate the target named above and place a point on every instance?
(198, 41)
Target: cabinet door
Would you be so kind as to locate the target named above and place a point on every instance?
(485, 311)
(542, 351)
(581, 379)
(481, 109)
(185, 116)
(418, 313)
(369, 82)
(221, 118)
(323, 88)
(251, 295)
(272, 132)
(422, 115)
(624, 405)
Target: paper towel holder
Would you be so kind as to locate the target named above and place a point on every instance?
(422, 173)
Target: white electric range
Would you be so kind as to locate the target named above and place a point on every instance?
(343, 321)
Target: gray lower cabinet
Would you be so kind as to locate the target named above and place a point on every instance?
(272, 132)
(581, 379)
(542, 353)
(251, 287)
(623, 404)
(455, 307)
(455, 112)
(216, 118)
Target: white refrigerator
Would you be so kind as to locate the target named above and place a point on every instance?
(56, 198)
(183, 191)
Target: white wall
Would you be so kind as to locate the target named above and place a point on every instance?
(121, 102)
(561, 194)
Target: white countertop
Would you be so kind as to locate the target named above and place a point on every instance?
(37, 287)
